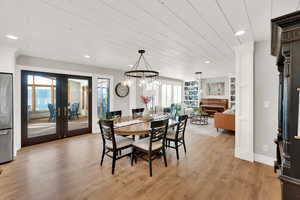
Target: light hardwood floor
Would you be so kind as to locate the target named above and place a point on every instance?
(69, 169)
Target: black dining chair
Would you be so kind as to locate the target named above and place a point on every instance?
(177, 136)
(167, 110)
(137, 112)
(112, 143)
(152, 147)
(114, 114)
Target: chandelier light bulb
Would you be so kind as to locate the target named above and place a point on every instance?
(143, 81)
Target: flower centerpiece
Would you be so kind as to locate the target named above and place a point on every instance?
(146, 100)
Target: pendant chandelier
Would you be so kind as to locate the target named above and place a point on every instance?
(144, 73)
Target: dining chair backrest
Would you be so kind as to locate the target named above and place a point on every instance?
(167, 110)
(182, 120)
(114, 114)
(51, 108)
(159, 130)
(138, 112)
(75, 108)
(107, 132)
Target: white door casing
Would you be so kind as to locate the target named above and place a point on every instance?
(244, 55)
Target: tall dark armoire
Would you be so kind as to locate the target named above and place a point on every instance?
(286, 47)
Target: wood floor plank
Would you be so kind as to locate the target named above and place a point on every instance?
(70, 169)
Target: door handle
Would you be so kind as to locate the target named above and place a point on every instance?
(4, 132)
(58, 112)
(65, 112)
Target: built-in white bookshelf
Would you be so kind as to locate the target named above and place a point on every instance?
(232, 91)
(191, 93)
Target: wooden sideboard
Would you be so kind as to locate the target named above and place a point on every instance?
(211, 106)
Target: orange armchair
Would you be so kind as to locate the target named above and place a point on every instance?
(225, 121)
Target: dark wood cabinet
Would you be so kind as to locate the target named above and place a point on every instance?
(286, 47)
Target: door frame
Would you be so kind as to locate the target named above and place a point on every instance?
(244, 123)
(62, 100)
(66, 132)
(25, 141)
(57, 70)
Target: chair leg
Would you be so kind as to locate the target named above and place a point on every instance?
(150, 165)
(183, 141)
(102, 157)
(177, 153)
(114, 162)
(165, 159)
(132, 157)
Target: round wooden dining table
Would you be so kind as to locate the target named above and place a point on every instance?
(137, 126)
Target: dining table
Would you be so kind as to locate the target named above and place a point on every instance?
(139, 126)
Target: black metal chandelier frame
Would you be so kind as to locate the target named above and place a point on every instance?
(135, 72)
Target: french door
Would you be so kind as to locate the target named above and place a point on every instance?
(54, 106)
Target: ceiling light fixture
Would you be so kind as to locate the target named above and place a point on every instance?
(138, 72)
(87, 56)
(12, 37)
(240, 32)
(144, 73)
(207, 62)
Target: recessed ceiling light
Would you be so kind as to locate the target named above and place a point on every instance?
(207, 62)
(87, 56)
(12, 37)
(239, 33)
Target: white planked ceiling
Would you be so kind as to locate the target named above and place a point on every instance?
(178, 35)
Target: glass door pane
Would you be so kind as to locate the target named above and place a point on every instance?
(103, 97)
(78, 105)
(40, 116)
(41, 106)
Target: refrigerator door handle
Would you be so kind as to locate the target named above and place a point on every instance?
(4, 132)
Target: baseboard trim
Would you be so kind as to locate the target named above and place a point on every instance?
(264, 159)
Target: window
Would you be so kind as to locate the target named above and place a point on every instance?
(42, 98)
(103, 97)
(177, 94)
(29, 91)
(164, 95)
(179, 89)
(41, 92)
(170, 93)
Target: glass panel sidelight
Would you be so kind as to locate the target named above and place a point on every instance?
(103, 97)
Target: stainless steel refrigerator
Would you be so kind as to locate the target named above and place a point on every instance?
(6, 117)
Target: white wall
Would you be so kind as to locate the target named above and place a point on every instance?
(7, 59)
(265, 100)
